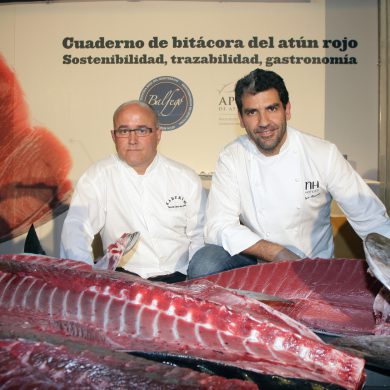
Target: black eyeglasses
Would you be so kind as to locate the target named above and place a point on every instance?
(124, 132)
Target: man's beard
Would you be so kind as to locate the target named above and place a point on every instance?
(269, 147)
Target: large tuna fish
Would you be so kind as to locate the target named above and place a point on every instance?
(334, 296)
(203, 320)
(375, 348)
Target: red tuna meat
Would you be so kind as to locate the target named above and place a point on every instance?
(331, 295)
(34, 164)
(35, 364)
(202, 320)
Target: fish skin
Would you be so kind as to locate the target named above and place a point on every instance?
(377, 250)
(202, 320)
(329, 295)
(374, 349)
(39, 364)
(382, 312)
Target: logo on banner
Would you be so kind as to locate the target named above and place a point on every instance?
(172, 100)
(227, 110)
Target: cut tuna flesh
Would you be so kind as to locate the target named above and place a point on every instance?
(204, 320)
(32, 364)
(329, 295)
(34, 164)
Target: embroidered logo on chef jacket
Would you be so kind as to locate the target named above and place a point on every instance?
(176, 201)
(312, 189)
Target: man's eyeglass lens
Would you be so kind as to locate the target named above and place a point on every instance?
(139, 132)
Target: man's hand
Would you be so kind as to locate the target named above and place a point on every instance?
(270, 251)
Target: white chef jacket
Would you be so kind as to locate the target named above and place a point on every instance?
(286, 198)
(166, 205)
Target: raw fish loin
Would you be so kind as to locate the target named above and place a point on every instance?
(42, 365)
(203, 320)
(331, 295)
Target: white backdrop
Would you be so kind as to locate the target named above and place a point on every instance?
(76, 101)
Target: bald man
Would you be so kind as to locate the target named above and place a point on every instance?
(138, 189)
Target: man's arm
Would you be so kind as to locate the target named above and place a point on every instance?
(269, 251)
(223, 227)
(363, 209)
(84, 219)
(196, 217)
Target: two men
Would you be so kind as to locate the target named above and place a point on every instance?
(272, 189)
(138, 189)
(270, 196)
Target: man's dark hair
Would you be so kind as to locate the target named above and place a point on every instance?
(260, 80)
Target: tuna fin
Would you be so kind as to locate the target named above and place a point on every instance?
(116, 250)
(32, 243)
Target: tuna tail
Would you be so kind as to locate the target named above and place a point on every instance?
(32, 243)
(116, 250)
(377, 250)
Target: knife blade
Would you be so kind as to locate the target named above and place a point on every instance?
(261, 296)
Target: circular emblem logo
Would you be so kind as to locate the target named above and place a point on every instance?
(172, 100)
